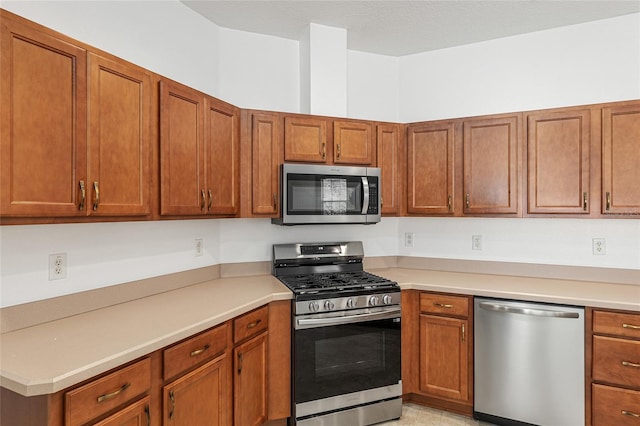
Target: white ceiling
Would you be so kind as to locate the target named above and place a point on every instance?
(400, 27)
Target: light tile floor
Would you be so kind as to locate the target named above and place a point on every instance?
(417, 415)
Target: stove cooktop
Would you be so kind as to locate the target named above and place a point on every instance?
(331, 282)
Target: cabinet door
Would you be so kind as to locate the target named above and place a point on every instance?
(430, 168)
(391, 163)
(222, 153)
(490, 158)
(202, 397)
(353, 143)
(182, 188)
(250, 385)
(558, 145)
(136, 414)
(119, 139)
(43, 119)
(305, 139)
(621, 159)
(266, 149)
(444, 357)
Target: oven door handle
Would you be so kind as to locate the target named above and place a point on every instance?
(302, 323)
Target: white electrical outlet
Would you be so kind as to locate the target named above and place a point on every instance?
(476, 242)
(408, 239)
(599, 246)
(199, 247)
(57, 266)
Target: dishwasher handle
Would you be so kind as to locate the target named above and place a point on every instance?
(497, 307)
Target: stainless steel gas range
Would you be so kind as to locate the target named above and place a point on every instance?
(346, 335)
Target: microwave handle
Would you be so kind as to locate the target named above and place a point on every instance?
(365, 198)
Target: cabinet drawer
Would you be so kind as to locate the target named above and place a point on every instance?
(614, 406)
(195, 350)
(616, 361)
(444, 304)
(250, 324)
(106, 393)
(619, 324)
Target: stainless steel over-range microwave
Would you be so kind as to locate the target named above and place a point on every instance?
(313, 194)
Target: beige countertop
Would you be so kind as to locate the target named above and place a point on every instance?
(49, 357)
(52, 356)
(569, 292)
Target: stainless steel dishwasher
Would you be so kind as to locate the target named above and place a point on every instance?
(529, 363)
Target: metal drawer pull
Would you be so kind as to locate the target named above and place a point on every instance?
(108, 396)
(210, 200)
(630, 364)
(173, 404)
(608, 201)
(324, 150)
(253, 324)
(84, 196)
(442, 305)
(629, 413)
(634, 327)
(584, 201)
(449, 202)
(96, 203)
(339, 151)
(199, 351)
(466, 201)
(204, 199)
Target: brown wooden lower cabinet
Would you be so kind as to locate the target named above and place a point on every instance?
(206, 379)
(437, 333)
(200, 397)
(615, 406)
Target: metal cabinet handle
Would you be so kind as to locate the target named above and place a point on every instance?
(324, 150)
(210, 200)
(173, 404)
(96, 189)
(467, 201)
(496, 307)
(450, 203)
(275, 205)
(239, 362)
(204, 199)
(608, 195)
(442, 305)
(584, 201)
(108, 396)
(83, 191)
(630, 364)
(253, 324)
(463, 333)
(339, 151)
(631, 326)
(199, 351)
(629, 413)
(148, 413)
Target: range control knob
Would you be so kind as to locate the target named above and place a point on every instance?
(351, 303)
(386, 299)
(328, 305)
(374, 300)
(314, 306)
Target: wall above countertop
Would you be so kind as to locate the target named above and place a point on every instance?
(105, 254)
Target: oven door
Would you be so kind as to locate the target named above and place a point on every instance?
(347, 359)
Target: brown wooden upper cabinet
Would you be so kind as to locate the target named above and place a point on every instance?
(490, 164)
(558, 172)
(305, 139)
(621, 159)
(75, 136)
(263, 145)
(353, 143)
(430, 168)
(390, 151)
(313, 139)
(199, 153)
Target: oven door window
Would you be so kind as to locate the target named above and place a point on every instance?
(324, 195)
(341, 359)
